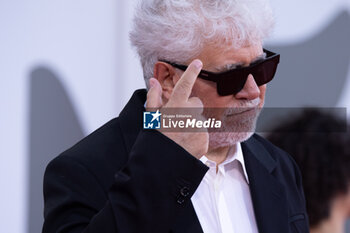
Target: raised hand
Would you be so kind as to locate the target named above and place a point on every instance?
(196, 143)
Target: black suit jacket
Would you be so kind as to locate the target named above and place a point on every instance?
(124, 179)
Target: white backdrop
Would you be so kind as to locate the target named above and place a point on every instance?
(86, 44)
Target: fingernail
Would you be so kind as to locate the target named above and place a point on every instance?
(198, 64)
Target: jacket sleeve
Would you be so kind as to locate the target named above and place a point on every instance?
(146, 195)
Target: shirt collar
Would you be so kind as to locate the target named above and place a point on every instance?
(240, 158)
(234, 153)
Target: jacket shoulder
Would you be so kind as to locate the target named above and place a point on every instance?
(102, 153)
(277, 154)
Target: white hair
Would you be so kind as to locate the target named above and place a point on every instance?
(177, 30)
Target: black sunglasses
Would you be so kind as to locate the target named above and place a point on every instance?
(232, 81)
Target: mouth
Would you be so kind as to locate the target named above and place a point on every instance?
(242, 111)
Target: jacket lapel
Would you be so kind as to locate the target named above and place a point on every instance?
(268, 195)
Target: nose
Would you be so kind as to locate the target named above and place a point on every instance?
(250, 90)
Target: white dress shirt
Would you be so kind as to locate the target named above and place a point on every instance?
(222, 200)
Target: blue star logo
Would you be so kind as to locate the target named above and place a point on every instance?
(151, 120)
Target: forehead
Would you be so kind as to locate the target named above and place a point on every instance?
(215, 58)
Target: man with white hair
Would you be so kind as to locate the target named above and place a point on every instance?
(198, 54)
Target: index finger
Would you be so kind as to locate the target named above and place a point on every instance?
(183, 87)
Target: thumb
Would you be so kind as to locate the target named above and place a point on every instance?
(154, 95)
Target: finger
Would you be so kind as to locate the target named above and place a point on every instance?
(195, 102)
(183, 87)
(154, 95)
(196, 106)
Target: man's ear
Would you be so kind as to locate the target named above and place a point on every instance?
(166, 76)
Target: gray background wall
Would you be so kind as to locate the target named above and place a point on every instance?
(66, 67)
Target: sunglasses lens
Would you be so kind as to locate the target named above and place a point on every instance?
(265, 72)
(232, 82)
